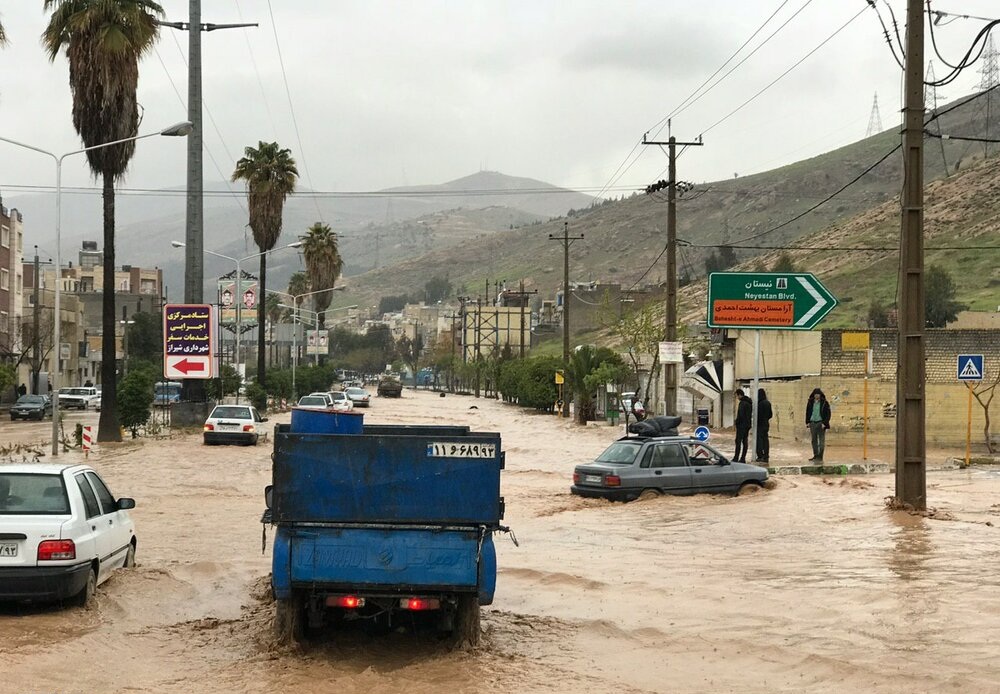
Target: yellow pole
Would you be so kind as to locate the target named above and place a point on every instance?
(968, 430)
(864, 414)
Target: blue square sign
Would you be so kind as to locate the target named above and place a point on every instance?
(970, 367)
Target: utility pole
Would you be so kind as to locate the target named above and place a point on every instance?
(670, 370)
(566, 239)
(36, 347)
(911, 459)
(194, 237)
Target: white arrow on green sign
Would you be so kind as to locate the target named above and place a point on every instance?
(769, 300)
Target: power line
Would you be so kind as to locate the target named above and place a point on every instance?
(783, 74)
(291, 108)
(691, 244)
(260, 82)
(625, 165)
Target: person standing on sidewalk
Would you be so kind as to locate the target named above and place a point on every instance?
(818, 421)
(744, 418)
(764, 414)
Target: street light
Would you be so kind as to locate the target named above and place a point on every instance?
(295, 323)
(125, 323)
(181, 129)
(239, 299)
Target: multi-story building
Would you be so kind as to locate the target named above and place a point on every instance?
(11, 282)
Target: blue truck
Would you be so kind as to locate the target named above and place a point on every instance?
(383, 524)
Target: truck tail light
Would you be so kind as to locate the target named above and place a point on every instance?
(209, 427)
(248, 427)
(612, 481)
(417, 604)
(349, 601)
(56, 550)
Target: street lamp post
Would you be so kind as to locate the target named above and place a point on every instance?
(296, 298)
(239, 299)
(178, 130)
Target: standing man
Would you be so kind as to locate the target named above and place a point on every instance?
(818, 421)
(744, 418)
(764, 414)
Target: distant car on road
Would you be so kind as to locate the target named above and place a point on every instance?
(359, 396)
(634, 467)
(389, 387)
(62, 532)
(318, 401)
(31, 407)
(339, 401)
(80, 397)
(233, 424)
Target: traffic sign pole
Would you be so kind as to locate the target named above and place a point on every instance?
(968, 429)
(753, 395)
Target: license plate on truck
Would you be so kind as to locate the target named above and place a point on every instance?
(461, 450)
(592, 479)
(8, 549)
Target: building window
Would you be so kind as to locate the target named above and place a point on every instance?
(4, 324)
(4, 279)
(5, 237)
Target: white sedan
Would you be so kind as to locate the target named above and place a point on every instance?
(233, 424)
(62, 532)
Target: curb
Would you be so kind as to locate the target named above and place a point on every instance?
(852, 469)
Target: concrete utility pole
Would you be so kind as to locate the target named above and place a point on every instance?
(36, 347)
(566, 239)
(670, 370)
(194, 237)
(911, 457)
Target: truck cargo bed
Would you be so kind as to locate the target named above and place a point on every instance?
(438, 475)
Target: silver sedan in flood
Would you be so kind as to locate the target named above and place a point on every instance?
(636, 466)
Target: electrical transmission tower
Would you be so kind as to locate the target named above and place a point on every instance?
(875, 121)
(931, 96)
(990, 69)
(991, 78)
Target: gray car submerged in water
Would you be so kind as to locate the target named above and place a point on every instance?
(637, 466)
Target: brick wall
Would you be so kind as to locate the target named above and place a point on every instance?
(941, 350)
(947, 411)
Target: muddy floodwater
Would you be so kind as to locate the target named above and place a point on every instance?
(811, 586)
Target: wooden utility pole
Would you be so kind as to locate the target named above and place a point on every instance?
(670, 370)
(911, 459)
(566, 239)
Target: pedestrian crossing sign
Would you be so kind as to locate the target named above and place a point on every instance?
(970, 367)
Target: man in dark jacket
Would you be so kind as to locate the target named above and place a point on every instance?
(764, 414)
(818, 421)
(744, 418)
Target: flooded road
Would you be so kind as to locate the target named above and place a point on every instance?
(812, 586)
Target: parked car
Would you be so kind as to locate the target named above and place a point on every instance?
(31, 407)
(79, 398)
(633, 466)
(314, 402)
(341, 402)
(359, 396)
(62, 532)
(233, 424)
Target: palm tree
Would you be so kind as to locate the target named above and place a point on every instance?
(323, 264)
(104, 40)
(3, 36)
(298, 284)
(269, 172)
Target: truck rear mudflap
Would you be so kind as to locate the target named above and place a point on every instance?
(397, 562)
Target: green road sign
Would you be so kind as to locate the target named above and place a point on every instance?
(774, 300)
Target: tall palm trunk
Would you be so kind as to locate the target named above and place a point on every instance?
(261, 316)
(108, 428)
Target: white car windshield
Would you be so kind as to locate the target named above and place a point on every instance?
(312, 400)
(231, 412)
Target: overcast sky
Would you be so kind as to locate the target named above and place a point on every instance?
(418, 91)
